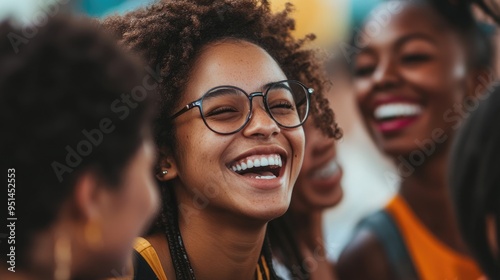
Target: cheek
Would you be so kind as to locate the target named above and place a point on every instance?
(199, 151)
(298, 142)
(138, 203)
(443, 76)
(361, 89)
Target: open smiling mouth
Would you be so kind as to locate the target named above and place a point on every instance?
(264, 167)
(396, 110)
(392, 117)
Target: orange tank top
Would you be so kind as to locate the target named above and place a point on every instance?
(432, 259)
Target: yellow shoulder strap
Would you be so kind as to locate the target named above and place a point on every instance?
(143, 247)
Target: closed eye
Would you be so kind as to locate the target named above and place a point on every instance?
(220, 111)
(416, 58)
(363, 71)
(282, 104)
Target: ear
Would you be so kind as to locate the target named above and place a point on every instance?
(167, 166)
(479, 81)
(87, 197)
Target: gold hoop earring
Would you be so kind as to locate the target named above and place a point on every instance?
(93, 234)
(62, 258)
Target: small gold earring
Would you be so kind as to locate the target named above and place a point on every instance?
(62, 258)
(93, 235)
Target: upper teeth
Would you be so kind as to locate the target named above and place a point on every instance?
(396, 110)
(257, 161)
(329, 170)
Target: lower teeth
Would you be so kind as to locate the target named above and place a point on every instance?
(265, 177)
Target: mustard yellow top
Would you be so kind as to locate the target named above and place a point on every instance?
(143, 247)
(432, 259)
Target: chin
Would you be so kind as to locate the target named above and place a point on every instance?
(395, 147)
(324, 202)
(267, 213)
(334, 199)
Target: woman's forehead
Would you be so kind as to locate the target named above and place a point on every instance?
(386, 27)
(239, 63)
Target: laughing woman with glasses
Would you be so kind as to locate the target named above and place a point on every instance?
(229, 133)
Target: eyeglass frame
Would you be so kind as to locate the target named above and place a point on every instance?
(199, 103)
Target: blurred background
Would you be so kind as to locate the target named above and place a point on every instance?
(368, 178)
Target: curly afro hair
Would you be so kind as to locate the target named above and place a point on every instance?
(171, 34)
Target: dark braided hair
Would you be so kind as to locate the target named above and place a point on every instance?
(474, 181)
(170, 35)
(283, 238)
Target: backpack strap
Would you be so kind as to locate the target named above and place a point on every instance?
(148, 265)
(142, 270)
(387, 232)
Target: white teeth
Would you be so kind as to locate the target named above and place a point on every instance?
(396, 110)
(265, 177)
(258, 161)
(271, 161)
(329, 170)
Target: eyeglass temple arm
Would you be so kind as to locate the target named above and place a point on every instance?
(184, 110)
(310, 91)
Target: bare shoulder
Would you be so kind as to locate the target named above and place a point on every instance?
(364, 258)
(160, 244)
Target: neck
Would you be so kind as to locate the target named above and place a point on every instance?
(308, 228)
(17, 274)
(427, 193)
(39, 259)
(234, 245)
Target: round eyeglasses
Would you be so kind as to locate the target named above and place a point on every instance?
(227, 109)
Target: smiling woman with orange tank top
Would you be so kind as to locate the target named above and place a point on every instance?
(411, 81)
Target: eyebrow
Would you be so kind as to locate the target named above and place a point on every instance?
(278, 85)
(221, 91)
(415, 36)
(281, 85)
(401, 41)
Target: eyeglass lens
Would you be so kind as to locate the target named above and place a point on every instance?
(226, 109)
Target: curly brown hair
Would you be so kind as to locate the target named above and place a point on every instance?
(171, 34)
